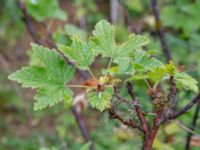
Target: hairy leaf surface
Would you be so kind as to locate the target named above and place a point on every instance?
(49, 79)
(79, 53)
(185, 81)
(100, 100)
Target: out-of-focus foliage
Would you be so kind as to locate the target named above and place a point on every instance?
(11, 25)
(54, 129)
(45, 9)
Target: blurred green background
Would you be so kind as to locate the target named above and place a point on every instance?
(21, 128)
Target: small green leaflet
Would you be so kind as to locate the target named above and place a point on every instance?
(185, 81)
(144, 62)
(157, 74)
(79, 53)
(104, 39)
(45, 9)
(171, 68)
(104, 43)
(134, 42)
(162, 72)
(100, 100)
(156, 71)
(49, 78)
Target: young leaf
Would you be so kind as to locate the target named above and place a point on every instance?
(100, 100)
(145, 62)
(171, 68)
(134, 42)
(79, 53)
(183, 80)
(121, 56)
(49, 79)
(103, 41)
(124, 65)
(157, 74)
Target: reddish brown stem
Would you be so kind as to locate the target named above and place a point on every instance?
(152, 134)
(150, 138)
(130, 123)
(138, 108)
(184, 110)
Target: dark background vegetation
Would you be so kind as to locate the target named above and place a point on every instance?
(21, 128)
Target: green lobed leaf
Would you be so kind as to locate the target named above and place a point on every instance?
(100, 100)
(103, 41)
(143, 62)
(49, 78)
(49, 96)
(157, 74)
(185, 81)
(79, 53)
(151, 68)
(134, 42)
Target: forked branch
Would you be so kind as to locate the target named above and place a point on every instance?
(137, 108)
(185, 109)
(114, 115)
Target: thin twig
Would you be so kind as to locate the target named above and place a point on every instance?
(160, 31)
(80, 86)
(28, 23)
(187, 129)
(113, 115)
(82, 127)
(183, 110)
(119, 98)
(137, 108)
(193, 125)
